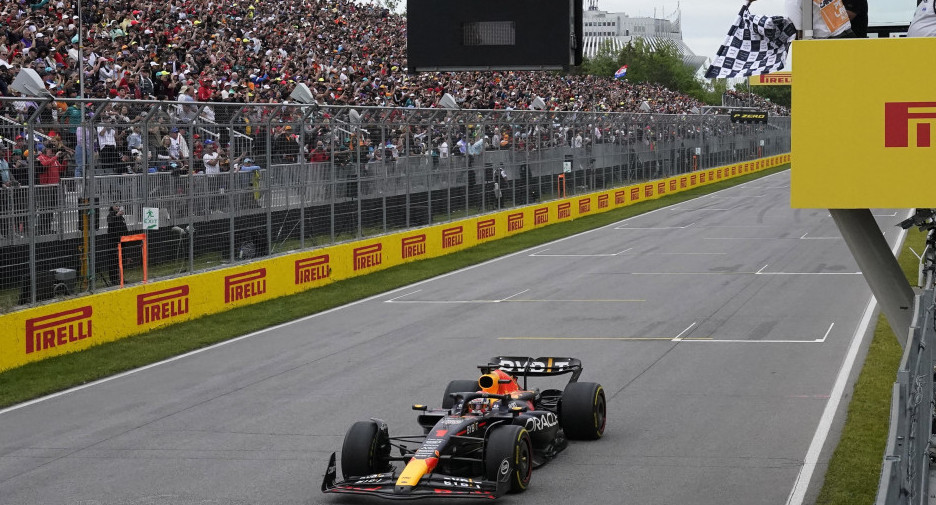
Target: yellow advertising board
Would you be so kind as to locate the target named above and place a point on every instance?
(72, 325)
(863, 123)
(772, 79)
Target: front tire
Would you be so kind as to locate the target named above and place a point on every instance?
(365, 451)
(583, 411)
(509, 444)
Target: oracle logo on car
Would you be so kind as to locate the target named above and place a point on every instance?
(368, 256)
(163, 304)
(312, 269)
(898, 116)
(544, 421)
(58, 329)
(413, 246)
(452, 237)
(244, 285)
(515, 221)
(486, 229)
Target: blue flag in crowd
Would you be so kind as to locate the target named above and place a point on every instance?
(621, 72)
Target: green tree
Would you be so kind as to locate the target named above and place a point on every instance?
(605, 62)
(660, 64)
(780, 95)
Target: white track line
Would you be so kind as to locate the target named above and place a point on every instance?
(352, 304)
(655, 227)
(604, 255)
(801, 484)
(678, 338)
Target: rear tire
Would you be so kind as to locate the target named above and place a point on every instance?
(510, 444)
(583, 411)
(457, 386)
(365, 451)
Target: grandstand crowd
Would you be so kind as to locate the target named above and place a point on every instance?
(247, 51)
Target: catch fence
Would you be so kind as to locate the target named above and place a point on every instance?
(289, 176)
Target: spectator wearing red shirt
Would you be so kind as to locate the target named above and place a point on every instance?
(319, 154)
(49, 178)
(52, 166)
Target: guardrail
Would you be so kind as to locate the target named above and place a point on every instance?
(294, 176)
(905, 473)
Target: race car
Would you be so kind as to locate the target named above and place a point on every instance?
(484, 441)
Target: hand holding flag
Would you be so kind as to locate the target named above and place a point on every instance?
(754, 45)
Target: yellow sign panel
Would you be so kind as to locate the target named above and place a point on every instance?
(774, 79)
(864, 119)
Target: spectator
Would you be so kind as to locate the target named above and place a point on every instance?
(116, 228)
(924, 20)
(211, 158)
(178, 147)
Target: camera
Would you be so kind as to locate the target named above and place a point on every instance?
(923, 218)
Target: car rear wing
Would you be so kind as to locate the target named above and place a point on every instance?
(526, 366)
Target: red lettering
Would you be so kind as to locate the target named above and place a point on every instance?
(897, 119)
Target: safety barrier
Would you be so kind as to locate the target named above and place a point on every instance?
(78, 323)
(293, 177)
(905, 473)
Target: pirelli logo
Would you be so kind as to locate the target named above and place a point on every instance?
(413, 246)
(673, 185)
(692, 180)
(486, 229)
(564, 210)
(244, 285)
(58, 329)
(683, 182)
(717, 174)
(909, 124)
(452, 237)
(162, 305)
(648, 190)
(661, 188)
(603, 201)
(368, 256)
(312, 269)
(515, 222)
(635, 194)
(541, 216)
(620, 197)
(584, 205)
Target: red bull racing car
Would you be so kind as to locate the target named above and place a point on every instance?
(484, 441)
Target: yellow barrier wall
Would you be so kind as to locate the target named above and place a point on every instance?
(72, 325)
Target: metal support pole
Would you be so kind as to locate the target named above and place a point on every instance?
(879, 267)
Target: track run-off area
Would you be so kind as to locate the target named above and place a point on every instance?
(726, 331)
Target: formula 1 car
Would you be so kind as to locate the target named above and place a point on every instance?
(483, 442)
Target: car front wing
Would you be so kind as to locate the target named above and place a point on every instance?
(383, 485)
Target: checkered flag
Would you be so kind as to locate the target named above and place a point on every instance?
(754, 45)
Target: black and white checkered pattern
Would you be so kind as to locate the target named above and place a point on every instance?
(755, 45)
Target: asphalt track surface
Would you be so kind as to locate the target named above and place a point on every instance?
(723, 330)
